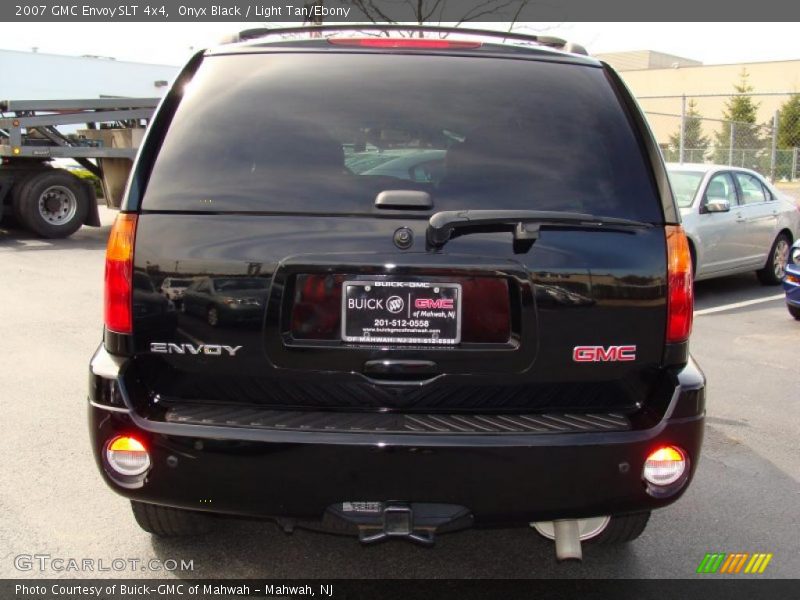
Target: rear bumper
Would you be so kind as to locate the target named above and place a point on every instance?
(500, 478)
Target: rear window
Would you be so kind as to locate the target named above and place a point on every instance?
(324, 134)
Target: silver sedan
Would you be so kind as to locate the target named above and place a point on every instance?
(735, 219)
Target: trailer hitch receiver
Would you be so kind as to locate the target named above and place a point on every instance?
(415, 521)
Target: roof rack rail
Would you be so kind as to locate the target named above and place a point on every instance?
(543, 40)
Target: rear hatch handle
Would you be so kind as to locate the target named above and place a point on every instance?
(524, 224)
(422, 369)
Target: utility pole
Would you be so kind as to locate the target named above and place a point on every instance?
(682, 145)
(774, 155)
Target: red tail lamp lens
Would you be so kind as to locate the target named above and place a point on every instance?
(486, 314)
(680, 304)
(413, 43)
(316, 313)
(119, 274)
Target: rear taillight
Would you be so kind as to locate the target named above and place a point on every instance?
(665, 466)
(680, 301)
(317, 308)
(127, 456)
(119, 274)
(411, 43)
(486, 313)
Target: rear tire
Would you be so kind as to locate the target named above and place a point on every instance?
(775, 269)
(165, 521)
(15, 197)
(53, 204)
(794, 311)
(621, 529)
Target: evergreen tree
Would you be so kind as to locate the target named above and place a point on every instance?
(743, 112)
(695, 143)
(789, 123)
(788, 136)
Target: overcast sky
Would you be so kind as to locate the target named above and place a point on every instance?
(170, 43)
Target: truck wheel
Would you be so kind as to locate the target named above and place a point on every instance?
(53, 204)
(15, 196)
(212, 316)
(165, 521)
(622, 529)
(794, 311)
(775, 269)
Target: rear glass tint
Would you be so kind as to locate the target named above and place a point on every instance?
(326, 133)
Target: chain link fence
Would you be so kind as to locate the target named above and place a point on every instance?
(687, 133)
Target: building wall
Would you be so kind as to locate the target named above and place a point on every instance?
(39, 76)
(765, 77)
(645, 59)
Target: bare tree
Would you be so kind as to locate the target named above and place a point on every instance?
(313, 18)
(435, 12)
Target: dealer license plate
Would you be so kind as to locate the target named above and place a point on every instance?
(401, 312)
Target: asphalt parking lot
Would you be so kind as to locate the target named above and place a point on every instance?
(745, 497)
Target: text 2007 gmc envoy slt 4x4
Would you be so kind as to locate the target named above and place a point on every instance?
(434, 283)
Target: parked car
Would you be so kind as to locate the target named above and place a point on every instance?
(423, 166)
(154, 313)
(791, 282)
(735, 219)
(505, 346)
(225, 299)
(173, 288)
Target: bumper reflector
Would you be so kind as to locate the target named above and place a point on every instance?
(127, 456)
(664, 466)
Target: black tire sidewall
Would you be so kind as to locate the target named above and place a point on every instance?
(621, 529)
(165, 521)
(16, 195)
(33, 188)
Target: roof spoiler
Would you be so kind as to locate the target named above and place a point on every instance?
(542, 40)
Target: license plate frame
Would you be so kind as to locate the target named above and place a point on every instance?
(403, 325)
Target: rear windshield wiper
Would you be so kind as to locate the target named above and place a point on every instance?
(524, 224)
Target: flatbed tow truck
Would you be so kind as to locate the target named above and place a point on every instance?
(50, 200)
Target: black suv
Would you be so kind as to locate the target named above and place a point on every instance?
(495, 332)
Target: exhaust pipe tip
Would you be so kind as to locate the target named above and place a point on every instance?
(568, 540)
(567, 530)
